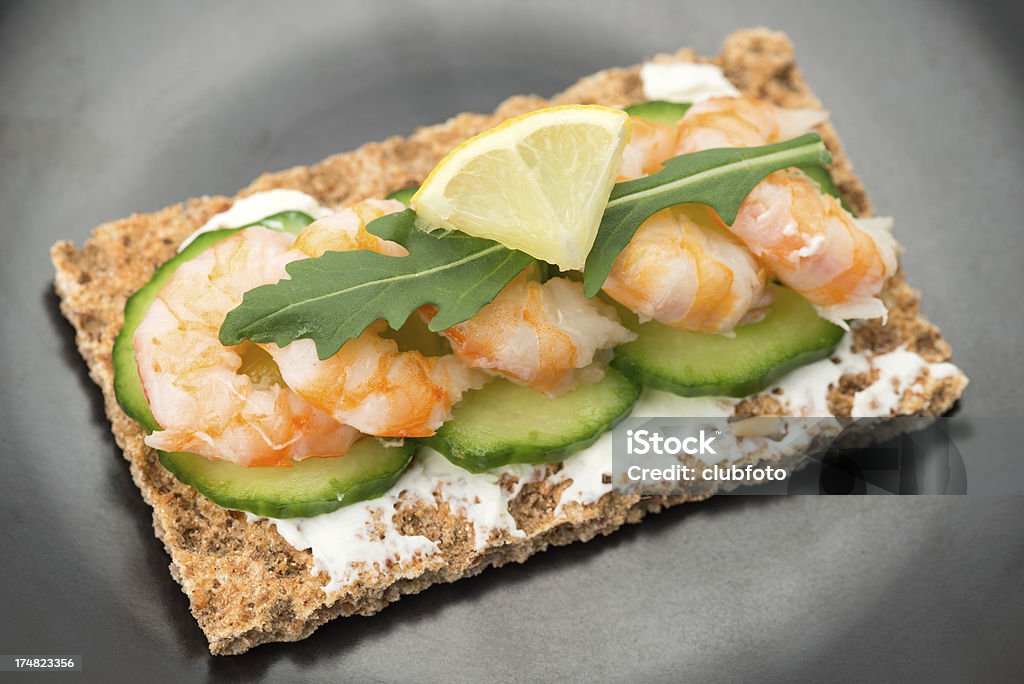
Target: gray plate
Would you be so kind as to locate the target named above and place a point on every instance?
(112, 108)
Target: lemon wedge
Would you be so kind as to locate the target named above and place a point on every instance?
(538, 183)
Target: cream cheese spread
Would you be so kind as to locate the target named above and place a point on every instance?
(684, 81)
(259, 206)
(898, 371)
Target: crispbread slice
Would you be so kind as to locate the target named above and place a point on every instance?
(246, 585)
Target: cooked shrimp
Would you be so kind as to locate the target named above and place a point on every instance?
(345, 231)
(805, 238)
(372, 385)
(369, 383)
(682, 271)
(649, 145)
(197, 394)
(715, 122)
(741, 122)
(816, 247)
(546, 336)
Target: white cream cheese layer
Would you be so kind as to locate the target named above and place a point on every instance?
(259, 206)
(684, 82)
(898, 371)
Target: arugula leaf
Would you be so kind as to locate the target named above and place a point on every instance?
(719, 178)
(331, 299)
(823, 177)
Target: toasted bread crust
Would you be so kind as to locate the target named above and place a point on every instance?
(246, 585)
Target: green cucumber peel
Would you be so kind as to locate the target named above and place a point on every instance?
(498, 425)
(309, 487)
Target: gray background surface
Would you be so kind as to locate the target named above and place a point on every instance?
(109, 108)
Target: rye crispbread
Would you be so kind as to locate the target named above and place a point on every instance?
(245, 584)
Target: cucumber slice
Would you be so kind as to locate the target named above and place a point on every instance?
(659, 111)
(403, 195)
(505, 423)
(697, 364)
(310, 487)
(127, 385)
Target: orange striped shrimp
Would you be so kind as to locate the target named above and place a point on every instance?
(683, 272)
(197, 389)
(715, 122)
(741, 122)
(345, 231)
(649, 145)
(370, 384)
(816, 247)
(546, 336)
